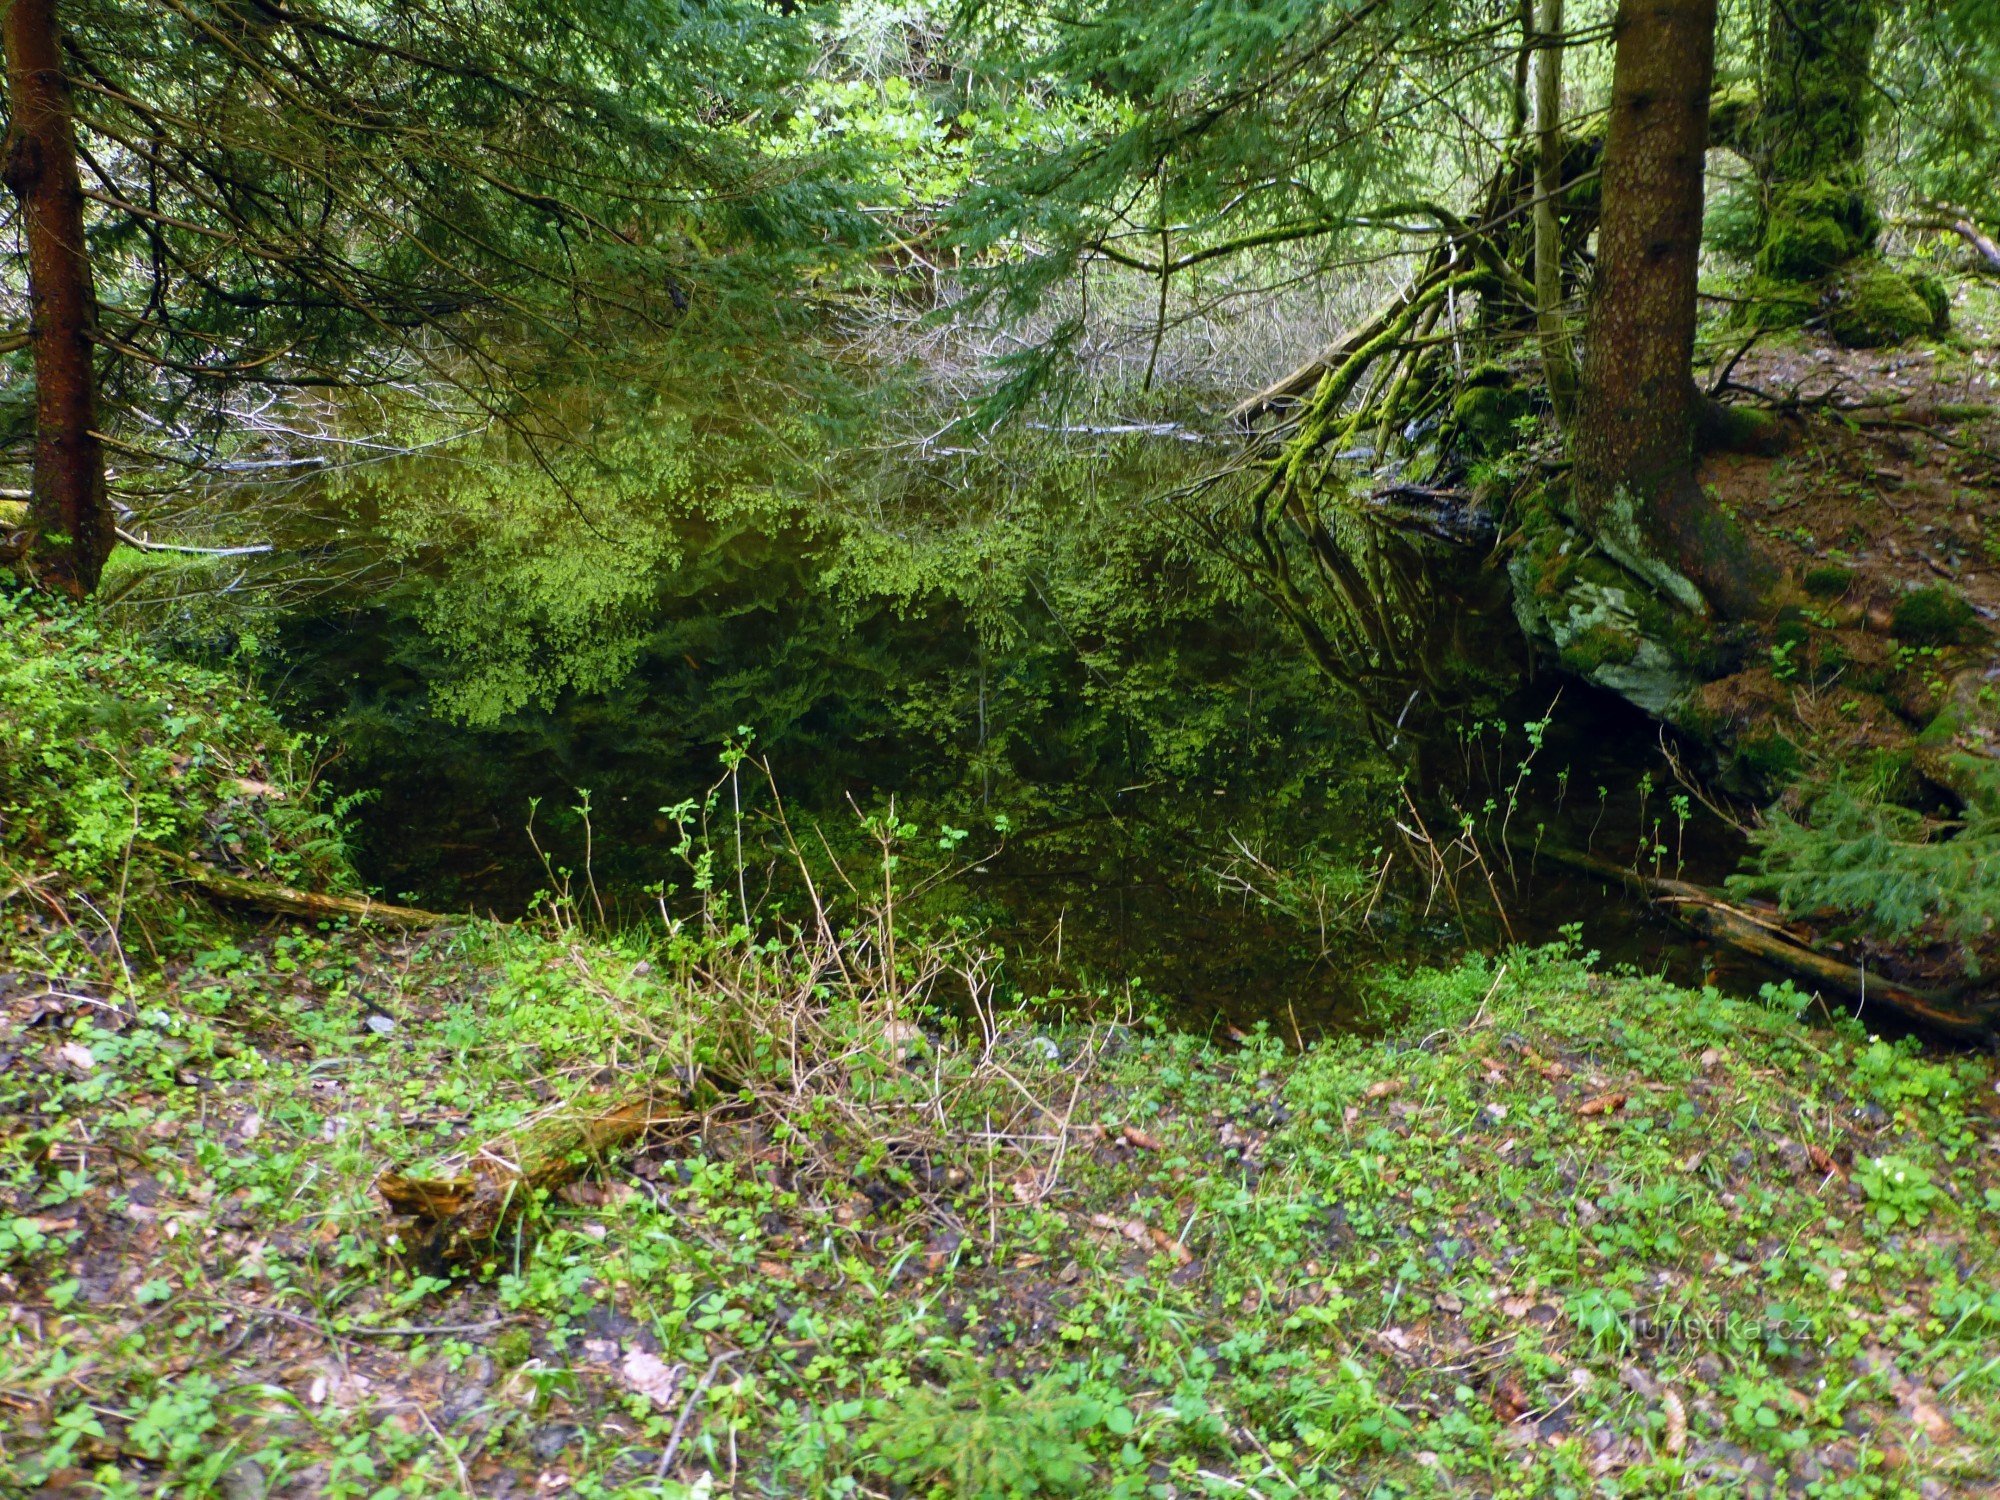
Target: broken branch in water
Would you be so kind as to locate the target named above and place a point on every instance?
(1972, 1014)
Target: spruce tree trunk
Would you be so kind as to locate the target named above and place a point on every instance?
(1551, 328)
(70, 527)
(1634, 483)
(1810, 135)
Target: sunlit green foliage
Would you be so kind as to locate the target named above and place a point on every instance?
(109, 751)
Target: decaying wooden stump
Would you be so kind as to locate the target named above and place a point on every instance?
(455, 1219)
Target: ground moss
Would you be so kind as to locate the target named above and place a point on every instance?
(1828, 580)
(1936, 616)
(1767, 757)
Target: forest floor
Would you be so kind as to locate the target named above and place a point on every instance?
(1556, 1232)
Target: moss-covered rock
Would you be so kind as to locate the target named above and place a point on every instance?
(1774, 305)
(1484, 413)
(1601, 620)
(1815, 227)
(1936, 616)
(1828, 580)
(1873, 306)
(1935, 297)
(1722, 428)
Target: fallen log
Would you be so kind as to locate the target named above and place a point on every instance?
(291, 901)
(460, 1218)
(1965, 1012)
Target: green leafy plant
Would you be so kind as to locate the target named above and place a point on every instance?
(1900, 1193)
(1853, 853)
(987, 1439)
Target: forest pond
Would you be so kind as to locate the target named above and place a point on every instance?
(1221, 908)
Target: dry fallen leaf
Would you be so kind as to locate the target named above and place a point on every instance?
(1137, 1137)
(587, 1194)
(1935, 1424)
(652, 1378)
(1382, 1089)
(1603, 1104)
(77, 1056)
(1677, 1424)
(1144, 1235)
(1507, 1398)
(1823, 1160)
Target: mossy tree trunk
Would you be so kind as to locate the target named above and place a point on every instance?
(1635, 490)
(1810, 136)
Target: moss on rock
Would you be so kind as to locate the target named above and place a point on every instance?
(1815, 227)
(1485, 412)
(1603, 622)
(1936, 616)
(1873, 306)
(1722, 428)
(1935, 297)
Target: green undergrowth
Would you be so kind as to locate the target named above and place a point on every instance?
(1556, 1232)
(1888, 872)
(114, 759)
(895, 1229)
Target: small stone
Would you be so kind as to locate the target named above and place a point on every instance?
(1639, 1383)
(245, 1480)
(548, 1441)
(380, 1025)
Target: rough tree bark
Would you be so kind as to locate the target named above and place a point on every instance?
(70, 528)
(1634, 483)
(1552, 329)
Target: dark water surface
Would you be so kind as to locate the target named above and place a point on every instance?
(1101, 887)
